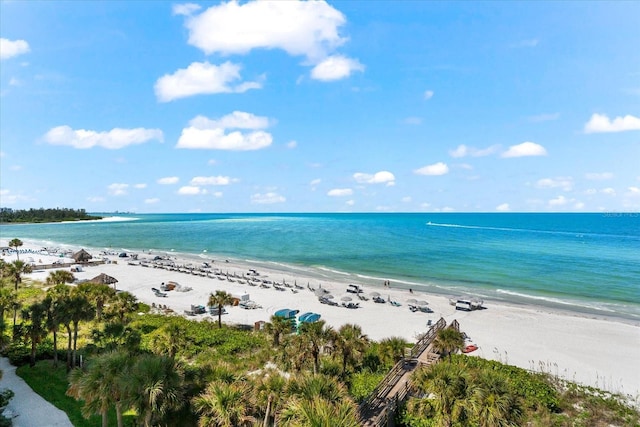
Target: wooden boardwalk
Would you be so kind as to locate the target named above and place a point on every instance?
(379, 409)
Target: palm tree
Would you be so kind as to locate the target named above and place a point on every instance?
(153, 387)
(269, 392)
(35, 329)
(315, 336)
(8, 299)
(59, 277)
(392, 349)
(309, 386)
(350, 344)
(98, 294)
(278, 327)
(122, 305)
(220, 299)
(16, 243)
(100, 385)
(15, 270)
(448, 341)
(56, 302)
(169, 338)
(225, 405)
(79, 309)
(448, 383)
(319, 412)
(492, 402)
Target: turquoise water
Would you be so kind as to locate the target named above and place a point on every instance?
(580, 262)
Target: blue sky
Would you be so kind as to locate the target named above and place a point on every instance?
(310, 107)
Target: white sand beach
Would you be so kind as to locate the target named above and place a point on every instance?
(591, 351)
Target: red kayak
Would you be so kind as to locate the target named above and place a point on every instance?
(470, 348)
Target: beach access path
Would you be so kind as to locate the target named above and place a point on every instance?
(27, 408)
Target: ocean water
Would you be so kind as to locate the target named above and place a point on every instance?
(588, 263)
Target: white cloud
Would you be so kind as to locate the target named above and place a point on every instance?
(559, 201)
(412, 120)
(190, 190)
(340, 192)
(185, 9)
(464, 151)
(432, 170)
(524, 150)
(11, 48)
(633, 192)
(308, 29)
(590, 191)
(217, 194)
(315, 182)
(267, 198)
(114, 139)
(235, 120)
(503, 207)
(600, 123)
(335, 68)
(8, 198)
(382, 177)
(428, 94)
(210, 180)
(204, 133)
(168, 180)
(117, 189)
(14, 82)
(151, 201)
(610, 191)
(202, 78)
(599, 176)
(350, 202)
(95, 199)
(566, 183)
(292, 144)
(212, 162)
(140, 186)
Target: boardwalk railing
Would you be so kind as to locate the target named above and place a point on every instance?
(379, 406)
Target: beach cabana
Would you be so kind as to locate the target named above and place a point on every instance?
(309, 317)
(104, 279)
(287, 313)
(82, 256)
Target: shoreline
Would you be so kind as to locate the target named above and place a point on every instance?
(575, 346)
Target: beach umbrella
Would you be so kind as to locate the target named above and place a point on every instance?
(411, 301)
(346, 298)
(375, 294)
(319, 292)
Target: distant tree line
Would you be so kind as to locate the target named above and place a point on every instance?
(8, 215)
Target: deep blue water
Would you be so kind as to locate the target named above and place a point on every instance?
(580, 262)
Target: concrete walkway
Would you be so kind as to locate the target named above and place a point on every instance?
(28, 408)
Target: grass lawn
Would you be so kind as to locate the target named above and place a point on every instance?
(52, 384)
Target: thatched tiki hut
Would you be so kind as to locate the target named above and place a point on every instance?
(104, 279)
(82, 256)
